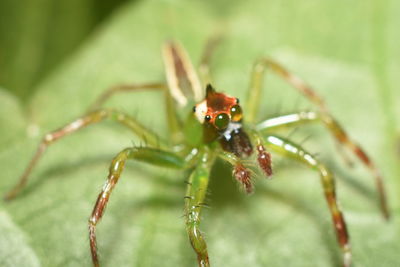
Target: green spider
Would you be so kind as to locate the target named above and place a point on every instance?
(215, 127)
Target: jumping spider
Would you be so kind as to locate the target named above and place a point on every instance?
(216, 127)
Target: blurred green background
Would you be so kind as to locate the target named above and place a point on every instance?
(57, 56)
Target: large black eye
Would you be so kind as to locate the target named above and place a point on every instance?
(221, 121)
(236, 113)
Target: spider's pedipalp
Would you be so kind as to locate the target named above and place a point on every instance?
(240, 172)
(264, 160)
(243, 176)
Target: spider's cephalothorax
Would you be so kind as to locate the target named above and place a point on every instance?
(221, 116)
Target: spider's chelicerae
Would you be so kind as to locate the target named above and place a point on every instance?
(216, 126)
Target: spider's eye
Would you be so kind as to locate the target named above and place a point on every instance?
(194, 108)
(207, 117)
(221, 121)
(236, 113)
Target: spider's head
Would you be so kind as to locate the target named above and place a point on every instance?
(219, 113)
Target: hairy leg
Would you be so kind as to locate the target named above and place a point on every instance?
(86, 120)
(144, 154)
(194, 201)
(296, 152)
(107, 94)
(256, 83)
(338, 133)
(174, 125)
(183, 82)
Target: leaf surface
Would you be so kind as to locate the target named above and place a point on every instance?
(285, 222)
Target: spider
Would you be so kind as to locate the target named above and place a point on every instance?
(216, 127)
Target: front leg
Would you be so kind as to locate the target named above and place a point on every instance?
(149, 155)
(341, 137)
(296, 152)
(194, 201)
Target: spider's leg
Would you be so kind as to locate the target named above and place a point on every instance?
(174, 124)
(257, 78)
(296, 152)
(107, 94)
(88, 119)
(194, 201)
(143, 154)
(338, 133)
(183, 82)
(204, 67)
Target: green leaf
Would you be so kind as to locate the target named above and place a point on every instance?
(15, 250)
(286, 221)
(37, 35)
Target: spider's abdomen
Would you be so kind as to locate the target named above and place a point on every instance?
(237, 142)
